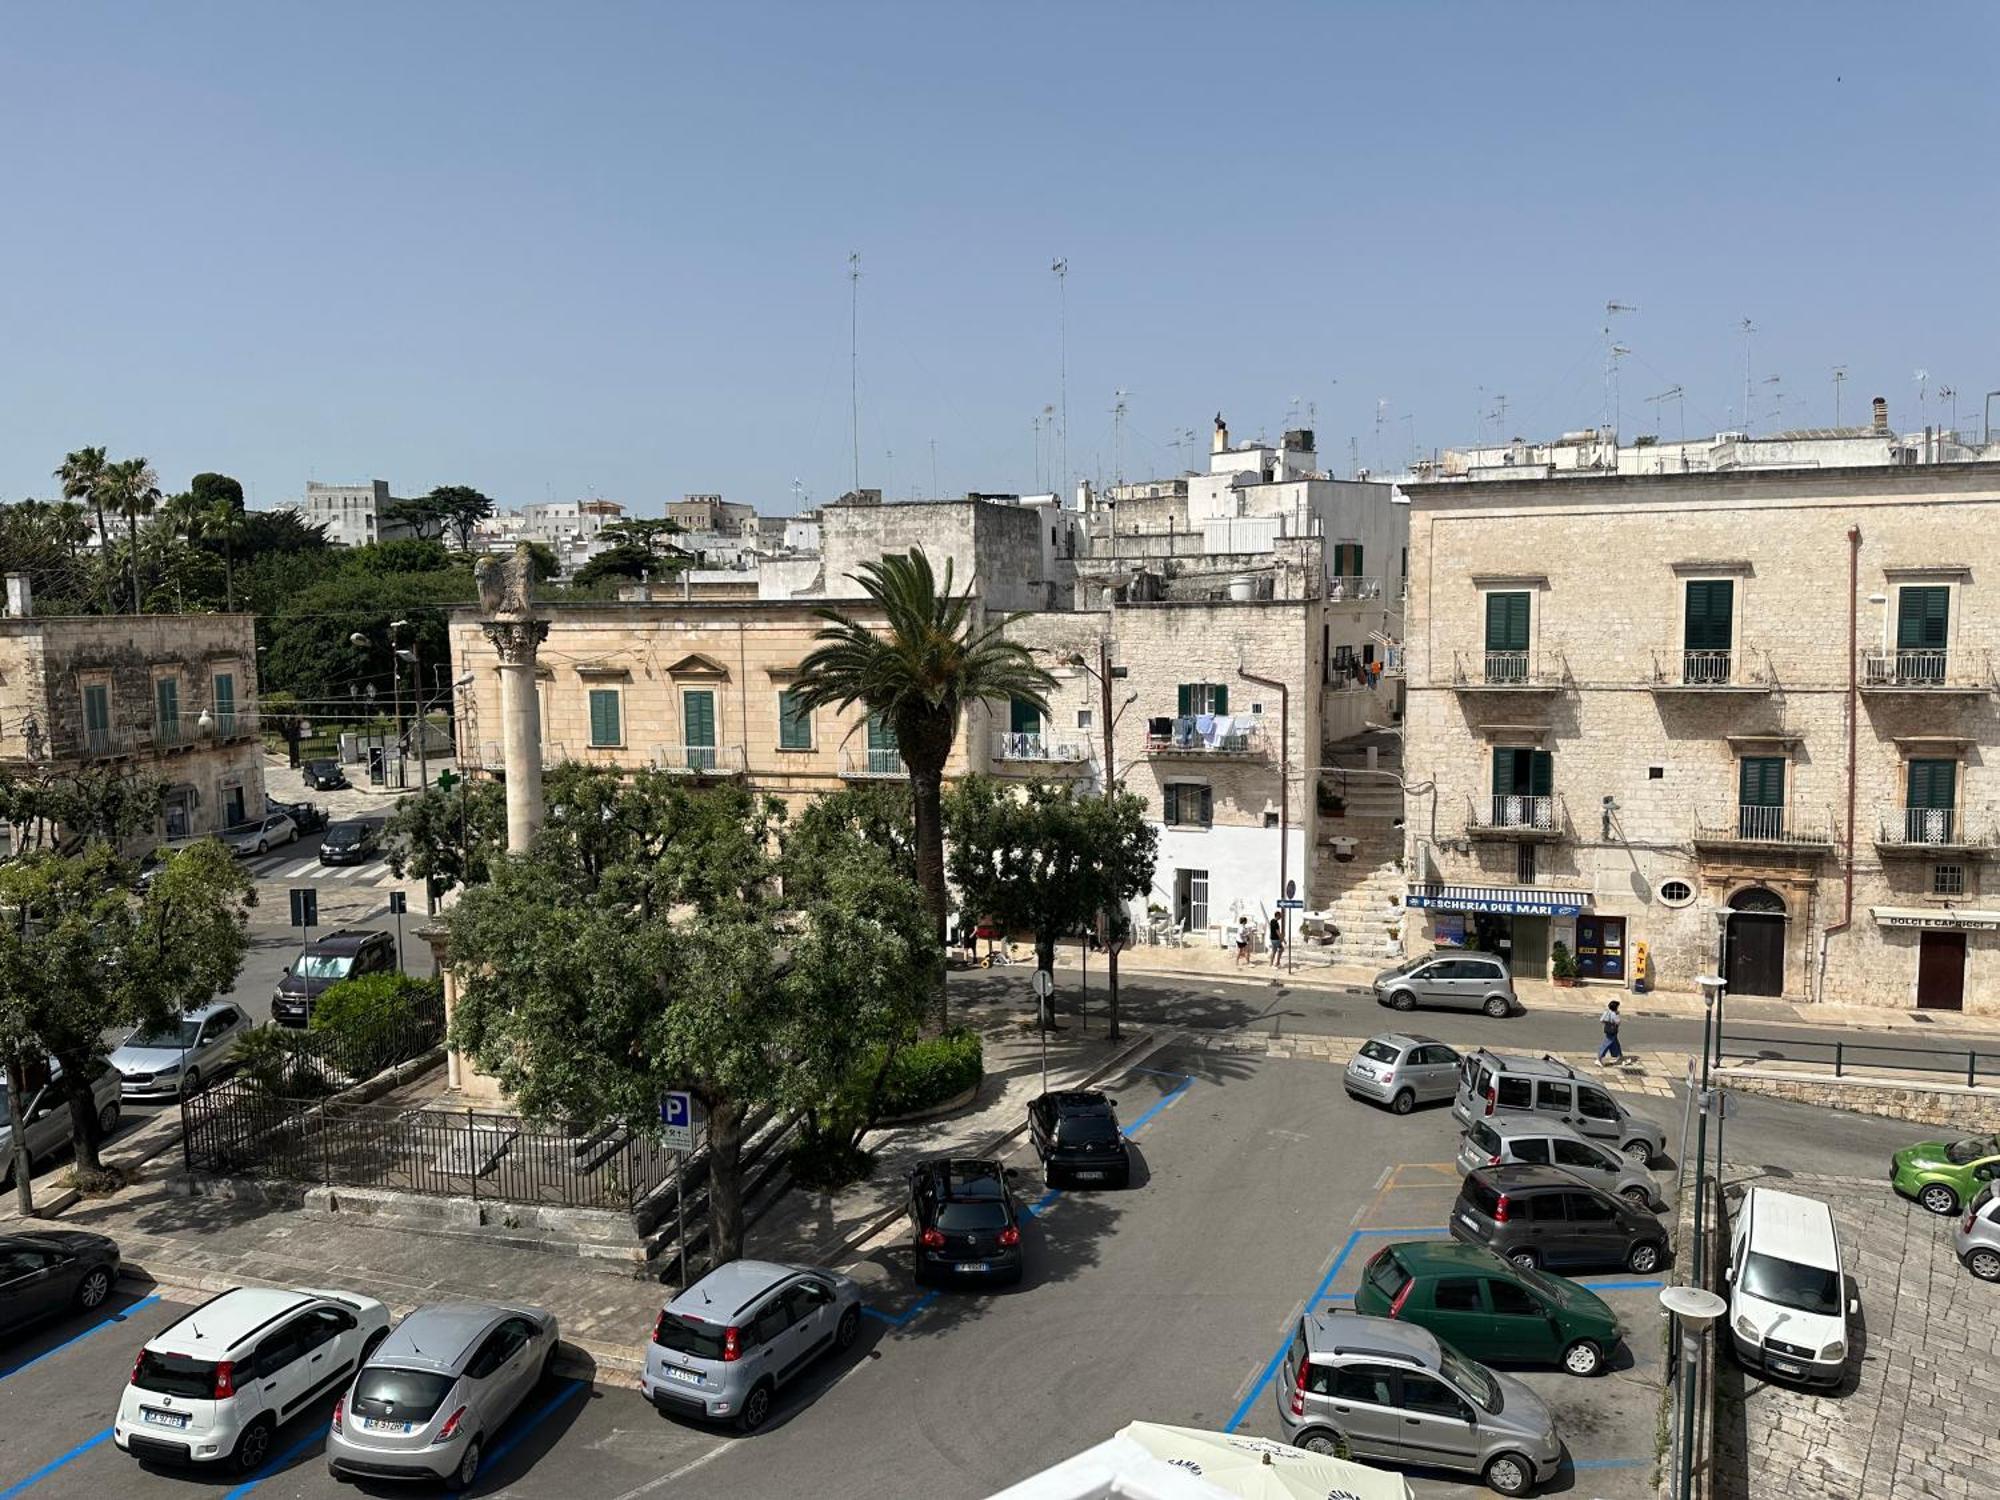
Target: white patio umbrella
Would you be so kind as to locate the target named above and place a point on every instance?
(1259, 1469)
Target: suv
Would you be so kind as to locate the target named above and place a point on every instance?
(165, 1062)
(325, 775)
(1502, 1139)
(965, 1220)
(1076, 1135)
(1488, 1307)
(1541, 1216)
(346, 954)
(725, 1344)
(1402, 1070)
(46, 1116)
(1377, 1389)
(1452, 980)
(1492, 1083)
(214, 1387)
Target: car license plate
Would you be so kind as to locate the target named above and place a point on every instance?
(1786, 1367)
(1468, 1221)
(971, 1265)
(164, 1418)
(686, 1377)
(1089, 1176)
(380, 1424)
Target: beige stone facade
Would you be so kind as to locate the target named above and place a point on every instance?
(1636, 697)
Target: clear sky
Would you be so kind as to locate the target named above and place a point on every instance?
(564, 249)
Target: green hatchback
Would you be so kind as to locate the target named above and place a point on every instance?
(1484, 1305)
(1942, 1175)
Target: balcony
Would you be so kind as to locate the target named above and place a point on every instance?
(1935, 833)
(1520, 819)
(1747, 827)
(105, 744)
(1184, 740)
(1746, 670)
(700, 760)
(176, 733)
(872, 765)
(1020, 750)
(1522, 672)
(1926, 671)
(1353, 589)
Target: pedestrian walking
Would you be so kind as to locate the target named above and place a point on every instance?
(1243, 937)
(1609, 1020)
(1277, 939)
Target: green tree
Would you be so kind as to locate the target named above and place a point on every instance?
(1049, 858)
(65, 809)
(462, 508)
(83, 474)
(872, 812)
(425, 517)
(650, 950)
(448, 838)
(132, 489)
(916, 675)
(217, 490)
(85, 952)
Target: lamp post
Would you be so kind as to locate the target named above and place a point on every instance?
(1712, 987)
(1694, 1309)
(1104, 672)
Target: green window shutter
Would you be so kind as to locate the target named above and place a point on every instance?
(1023, 717)
(1504, 772)
(1762, 781)
(1507, 622)
(698, 719)
(225, 694)
(1221, 697)
(167, 702)
(604, 726)
(794, 726)
(1923, 617)
(1711, 606)
(1354, 560)
(1541, 774)
(1186, 701)
(880, 735)
(1207, 806)
(1933, 783)
(96, 710)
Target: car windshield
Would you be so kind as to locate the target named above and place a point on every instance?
(1807, 1289)
(1086, 1130)
(1386, 1274)
(1972, 1148)
(183, 1034)
(343, 833)
(1555, 1288)
(1469, 1378)
(402, 1395)
(686, 1335)
(324, 965)
(1380, 1052)
(174, 1375)
(962, 1217)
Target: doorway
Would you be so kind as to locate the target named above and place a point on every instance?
(1600, 948)
(1191, 900)
(1755, 960)
(1941, 971)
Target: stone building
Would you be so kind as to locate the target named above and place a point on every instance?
(354, 515)
(1732, 722)
(170, 697)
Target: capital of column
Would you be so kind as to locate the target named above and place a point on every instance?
(516, 640)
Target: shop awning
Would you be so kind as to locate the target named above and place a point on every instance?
(1516, 900)
(1949, 919)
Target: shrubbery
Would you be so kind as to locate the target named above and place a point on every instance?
(925, 1073)
(372, 1023)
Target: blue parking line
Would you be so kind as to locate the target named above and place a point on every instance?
(49, 1468)
(117, 1317)
(1187, 1082)
(901, 1319)
(521, 1427)
(1622, 1286)
(1270, 1372)
(282, 1462)
(1609, 1463)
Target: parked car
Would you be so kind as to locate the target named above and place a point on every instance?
(1496, 1141)
(307, 817)
(1544, 1218)
(53, 1271)
(1942, 1175)
(1788, 1302)
(1492, 1083)
(1075, 1132)
(1451, 980)
(965, 1221)
(350, 843)
(260, 835)
(45, 1116)
(1977, 1239)
(213, 1387)
(348, 953)
(165, 1062)
(723, 1347)
(435, 1393)
(1485, 1306)
(325, 775)
(1376, 1389)
(1402, 1070)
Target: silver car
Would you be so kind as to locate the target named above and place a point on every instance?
(1402, 1070)
(46, 1118)
(1451, 980)
(260, 835)
(164, 1062)
(724, 1346)
(1501, 1139)
(436, 1392)
(1977, 1239)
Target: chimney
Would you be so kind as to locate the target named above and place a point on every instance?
(1881, 417)
(20, 597)
(1221, 435)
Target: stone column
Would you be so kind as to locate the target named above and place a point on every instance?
(520, 725)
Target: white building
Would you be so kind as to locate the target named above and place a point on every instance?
(353, 514)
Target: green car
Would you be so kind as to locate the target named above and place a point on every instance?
(1484, 1305)
(1943, 1174)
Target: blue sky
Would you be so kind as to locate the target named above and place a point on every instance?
(567, 249)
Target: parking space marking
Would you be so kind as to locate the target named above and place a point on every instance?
(687, 1468)
(117, 1317)
(276, 1466)
(521, 1428)
(901, 1319)
(1619, 1286)
(54, 1464)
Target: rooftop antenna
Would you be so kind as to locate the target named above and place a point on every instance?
(1381, 409)
(1060, 266)
(1777, 397)
(1672, 393)
(1923, 380)
(1354, 458)
(1749, 329)
(854, 357)
(798, 495)
(1118, 435)
(1839, 379)
(1613, 352)
(1948, 393)
(1500, 415)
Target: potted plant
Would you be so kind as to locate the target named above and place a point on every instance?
(1565, 967)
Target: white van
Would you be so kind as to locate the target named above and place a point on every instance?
(1788, 1302)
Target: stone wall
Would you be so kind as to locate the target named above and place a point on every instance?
(998, 544)
(1949, 1106)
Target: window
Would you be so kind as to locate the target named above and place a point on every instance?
(1510, 1300)
(1347, 559)
(1371, 1384)
(1506, 635)
(167, 707)
(606, 717)
(1760, 800)
(805, 1299)
(1203, 698)
(1596, 1105)
(1534, 1148)
(795, 724)
(1676, 892)
(1708, 629)
(1187, 805)
(1523, 780)
(884, 757)
(1023, 717)
(1588, 1208)
(770, 1322)
(1931, 795)
(1553, 1095)
(1577, 1154)
(1544, 1208)
(1524, 864)
(1432, 1397)
(1456, 1294)
(97, 717)
(1923, 617)
(1947, 880)
(1514, 1093)
(1083, 719)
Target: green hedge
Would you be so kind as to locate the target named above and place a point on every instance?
(925, 1073)
(374, 1022)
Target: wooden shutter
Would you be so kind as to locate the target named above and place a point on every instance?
(794, 727)
(1505, 759)
(698, 719)
(1933, 783)
(1923, 617)
(1541, 774)
(1220, 696)
(1023, 717)
(1762, 781)
(1506, 622)
(167, 698)
(1711, 606)
(604, 726)
(880, 735)
(96, 710)
(1186, 701)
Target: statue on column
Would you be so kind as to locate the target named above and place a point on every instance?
(516, 632)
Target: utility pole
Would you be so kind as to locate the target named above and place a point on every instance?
(1111, 933)
(1284, 799)
(854, 358)
(1839, 379)
(1061, 267)
(1749, 328)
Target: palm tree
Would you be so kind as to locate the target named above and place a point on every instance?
(933, 658)
(82, 475)
(133, 489)
(67, 526)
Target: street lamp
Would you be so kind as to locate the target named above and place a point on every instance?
(1694, 1309)
(1712, 987)
(1104, 672)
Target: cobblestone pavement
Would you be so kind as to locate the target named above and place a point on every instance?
(1919, 1415)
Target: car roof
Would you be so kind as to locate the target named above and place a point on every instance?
(224, 1322)
(1334, 1334)
(1446, 1257)
(349, 940)
(1521, 1177)
(1078, 1101)
(1540, 1067)
(1511, 1126)
(728, 1289)
(1407, 1039)
(440, 1337)
(1792, 1226)
(970, 1178)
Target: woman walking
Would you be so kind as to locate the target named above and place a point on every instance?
(1609, 1020)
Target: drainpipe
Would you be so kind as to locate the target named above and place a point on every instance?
(1284, 800)
(1853, 715)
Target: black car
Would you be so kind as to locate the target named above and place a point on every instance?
(325, 775)
(53, 1272)
(1543, 1218)
(349, 844)
(1076, 1135)
(966, 1221)
(346, 954)
(307, 817)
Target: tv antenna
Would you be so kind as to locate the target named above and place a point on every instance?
(1748, 329)
(1839, 379)
(1060, 266)
(1923, 380)
(1118, 435)
(1948, 393)
(854, 357)
(1674, 394)
(1613, 352)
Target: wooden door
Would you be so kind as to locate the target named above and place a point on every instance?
(1941, 971)
(1756, 954)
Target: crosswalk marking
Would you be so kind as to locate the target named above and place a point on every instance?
(284, 868)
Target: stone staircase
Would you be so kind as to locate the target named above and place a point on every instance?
(1363, 893)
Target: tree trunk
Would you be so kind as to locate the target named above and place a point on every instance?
(77, 1083)
(229, 580)
(1045, 960)
(927, 799)
(17, 1090)
(104, 559)
(132, 531)
(725, 1181)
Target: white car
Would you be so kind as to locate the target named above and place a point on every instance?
(167, 1061)
(213, 1388)
(1788, 1299)
(261, 835)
